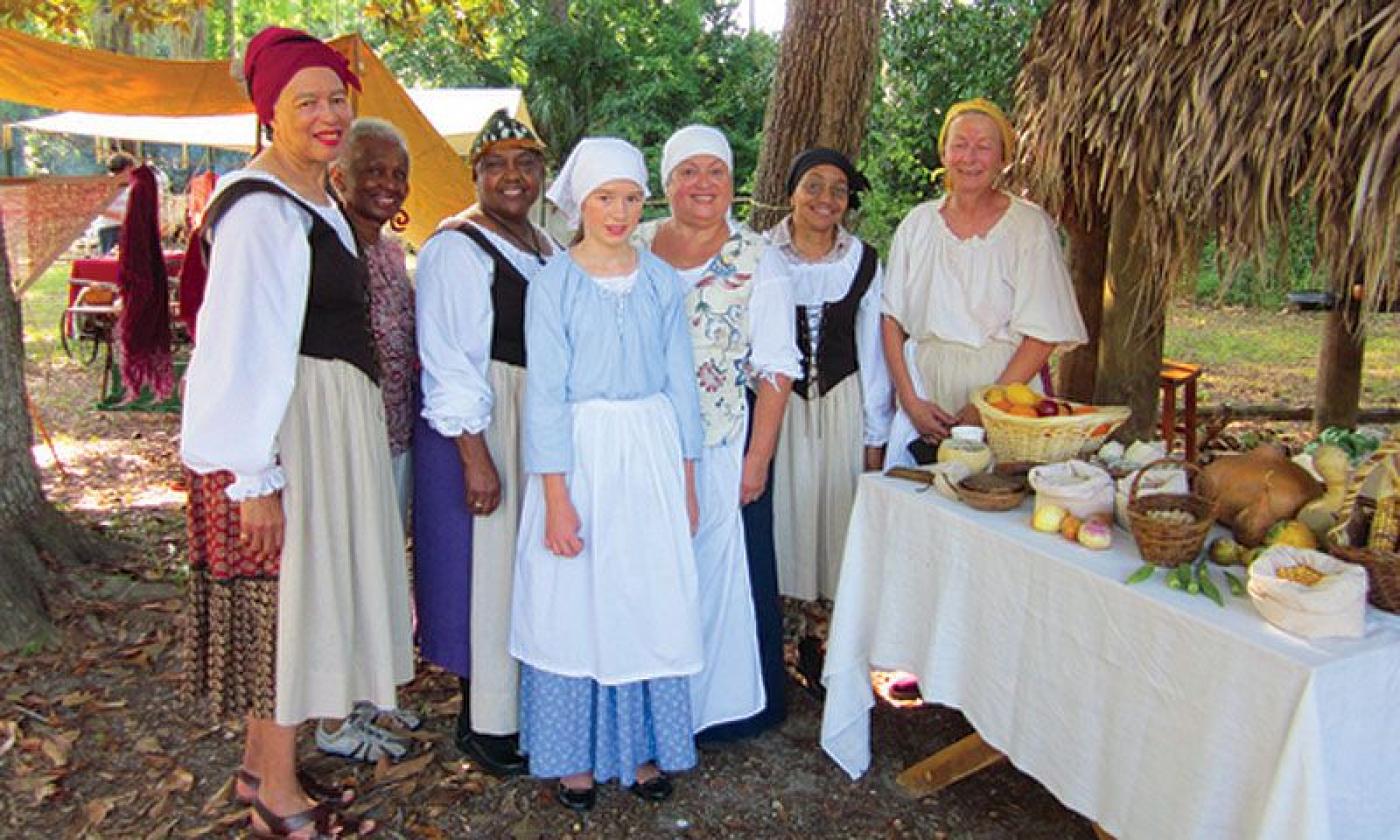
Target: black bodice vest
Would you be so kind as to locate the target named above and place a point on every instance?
(836, 350)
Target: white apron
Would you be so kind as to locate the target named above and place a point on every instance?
(730, 687)
(626, 608)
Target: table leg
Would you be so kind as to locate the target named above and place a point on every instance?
(950, 764)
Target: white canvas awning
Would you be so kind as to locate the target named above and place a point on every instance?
(456, 113)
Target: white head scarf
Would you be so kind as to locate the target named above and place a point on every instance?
(594, 162)
(691, 141)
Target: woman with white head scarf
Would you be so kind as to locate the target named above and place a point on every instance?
(744, 339)
(605, 619)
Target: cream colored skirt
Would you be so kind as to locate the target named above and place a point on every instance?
(495, 694)
(945, 373)
(343, 627)
(821, 453)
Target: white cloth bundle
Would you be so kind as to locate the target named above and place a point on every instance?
(1334, 606)
(1077, 486)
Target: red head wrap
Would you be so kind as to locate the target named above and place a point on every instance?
(274, 57)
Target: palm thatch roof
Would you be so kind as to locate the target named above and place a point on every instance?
(1218, 114)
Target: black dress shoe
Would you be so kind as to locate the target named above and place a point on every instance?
(497, 754)
(656, 789)
(576, 800)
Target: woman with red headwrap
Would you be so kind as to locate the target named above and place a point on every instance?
(298, 585)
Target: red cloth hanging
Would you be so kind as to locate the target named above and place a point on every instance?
(143, 329)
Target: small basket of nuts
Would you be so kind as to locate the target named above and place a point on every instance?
(1170, 528)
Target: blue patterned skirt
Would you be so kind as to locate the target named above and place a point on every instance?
(574, 725)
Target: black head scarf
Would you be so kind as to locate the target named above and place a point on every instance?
(817, 156)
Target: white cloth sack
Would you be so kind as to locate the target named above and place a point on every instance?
(1159, 480)
(1334, 606)
(1077, 486)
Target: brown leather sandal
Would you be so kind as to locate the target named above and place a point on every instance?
(332, 794)
(328, 823)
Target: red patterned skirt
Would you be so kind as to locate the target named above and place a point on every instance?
(229, 639)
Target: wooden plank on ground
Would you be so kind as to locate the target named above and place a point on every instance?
(950, 764)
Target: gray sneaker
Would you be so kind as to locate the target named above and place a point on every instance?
(359, 739)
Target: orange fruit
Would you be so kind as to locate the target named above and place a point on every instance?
(1084, 409)
(1100, 430)
(1022, 411)
(1003, 405)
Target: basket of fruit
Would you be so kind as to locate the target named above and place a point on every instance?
(1170, 528)
(1025, 426)
(1369, 530)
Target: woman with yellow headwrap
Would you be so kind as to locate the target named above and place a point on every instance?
(976, 289)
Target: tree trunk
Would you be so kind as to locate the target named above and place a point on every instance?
(1134, 325)
(111, 28)
(1088, 260)
(821, 92)
(1339, 367)
(35, 541)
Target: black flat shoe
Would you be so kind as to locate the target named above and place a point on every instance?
(810, 660)
(576, 800)
(656, 789)
(497, 754)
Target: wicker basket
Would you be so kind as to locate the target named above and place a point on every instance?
(992, 492)
(1347, 541)
(1045, 440)
(1165, 543)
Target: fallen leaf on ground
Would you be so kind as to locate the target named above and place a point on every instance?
(96, 811)
(402, 771)
(180, 780)
(148, 744)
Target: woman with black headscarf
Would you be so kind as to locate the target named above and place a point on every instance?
(838, 420)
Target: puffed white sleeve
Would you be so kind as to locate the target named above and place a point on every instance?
(773, 321)
(898, 281)
(875, 384)
(243, 369)
(1044, 305)
(455, 318)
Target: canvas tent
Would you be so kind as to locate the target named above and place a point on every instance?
(455, 113)
(57, 76)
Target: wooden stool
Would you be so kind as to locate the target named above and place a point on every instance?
(1182, 374)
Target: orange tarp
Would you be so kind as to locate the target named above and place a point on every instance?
(49, 75)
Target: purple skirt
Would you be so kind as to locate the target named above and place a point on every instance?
(442, 551)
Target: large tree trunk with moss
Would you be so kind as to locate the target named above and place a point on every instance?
(36, 542)
(821, 92)
(1088, 261)
(1134, 326)
(1338, 399)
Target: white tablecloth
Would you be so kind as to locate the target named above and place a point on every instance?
(1153, 712)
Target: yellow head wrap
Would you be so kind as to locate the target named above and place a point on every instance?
(987, 108)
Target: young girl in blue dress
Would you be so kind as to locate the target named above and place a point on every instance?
(605, 616)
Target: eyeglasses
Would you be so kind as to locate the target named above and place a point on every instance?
(815, 187)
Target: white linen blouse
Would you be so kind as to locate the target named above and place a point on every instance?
(243, 367)
(826, 281)
(455, 318)
(1004, 286)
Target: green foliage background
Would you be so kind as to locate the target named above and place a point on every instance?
(640, 70)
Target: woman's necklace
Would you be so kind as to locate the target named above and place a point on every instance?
(529, 245)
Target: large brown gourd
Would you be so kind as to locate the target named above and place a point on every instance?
(1254, 490)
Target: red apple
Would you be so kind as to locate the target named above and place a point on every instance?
(1047, 408)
